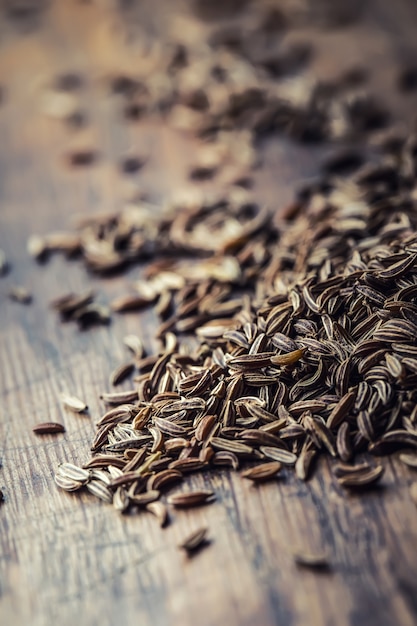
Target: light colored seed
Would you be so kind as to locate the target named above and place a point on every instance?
(409, 459)
(37, 246)
(58, 104)
(135, 345)
(160, 511)
(121, 500)
(73, 403)
(100, 490)
(69, 470)
(230, 446)
(278, 454)
(66, 483)
(20, 294)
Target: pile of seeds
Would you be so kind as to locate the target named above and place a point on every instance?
(319, 356)
(282, 340)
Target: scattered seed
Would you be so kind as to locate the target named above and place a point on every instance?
(121, 373)
(160, 511)
(73, 403)
(311, 560)
(193, 498)
(20, 294)
(48, 428)
(262, 472)
(362, 478)
(195, 540)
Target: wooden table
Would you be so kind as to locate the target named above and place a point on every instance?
(67, 558)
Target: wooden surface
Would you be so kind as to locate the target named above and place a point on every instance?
(68, 559)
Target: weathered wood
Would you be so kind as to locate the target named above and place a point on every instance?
(66, 558)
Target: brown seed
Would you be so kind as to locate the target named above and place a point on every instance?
(125, 479)
(311, 560)
(187, 465)
(363, 478)
(121, 373)
(195, 540)
(81, 158)
(251, 361)
(262, 472)
(104, 460)
(143, 499)
(343, 444)
(341, 409)
(131, 164)
(204, 427)
(304, 463)
(192, 498)
(129, 303)
(48, 428)
(345, 469)
(162, 479)
(68, 304)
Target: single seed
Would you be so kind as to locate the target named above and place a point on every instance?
(262, 472)
(195, 540)
(20, 294)
(193, 498)
(48, 428)
(311, 560)
(73, 403)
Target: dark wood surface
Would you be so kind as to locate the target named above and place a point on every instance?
(68, 559)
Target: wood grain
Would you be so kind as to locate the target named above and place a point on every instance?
(66, 558)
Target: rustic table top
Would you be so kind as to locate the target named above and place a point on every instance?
(68, 558)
